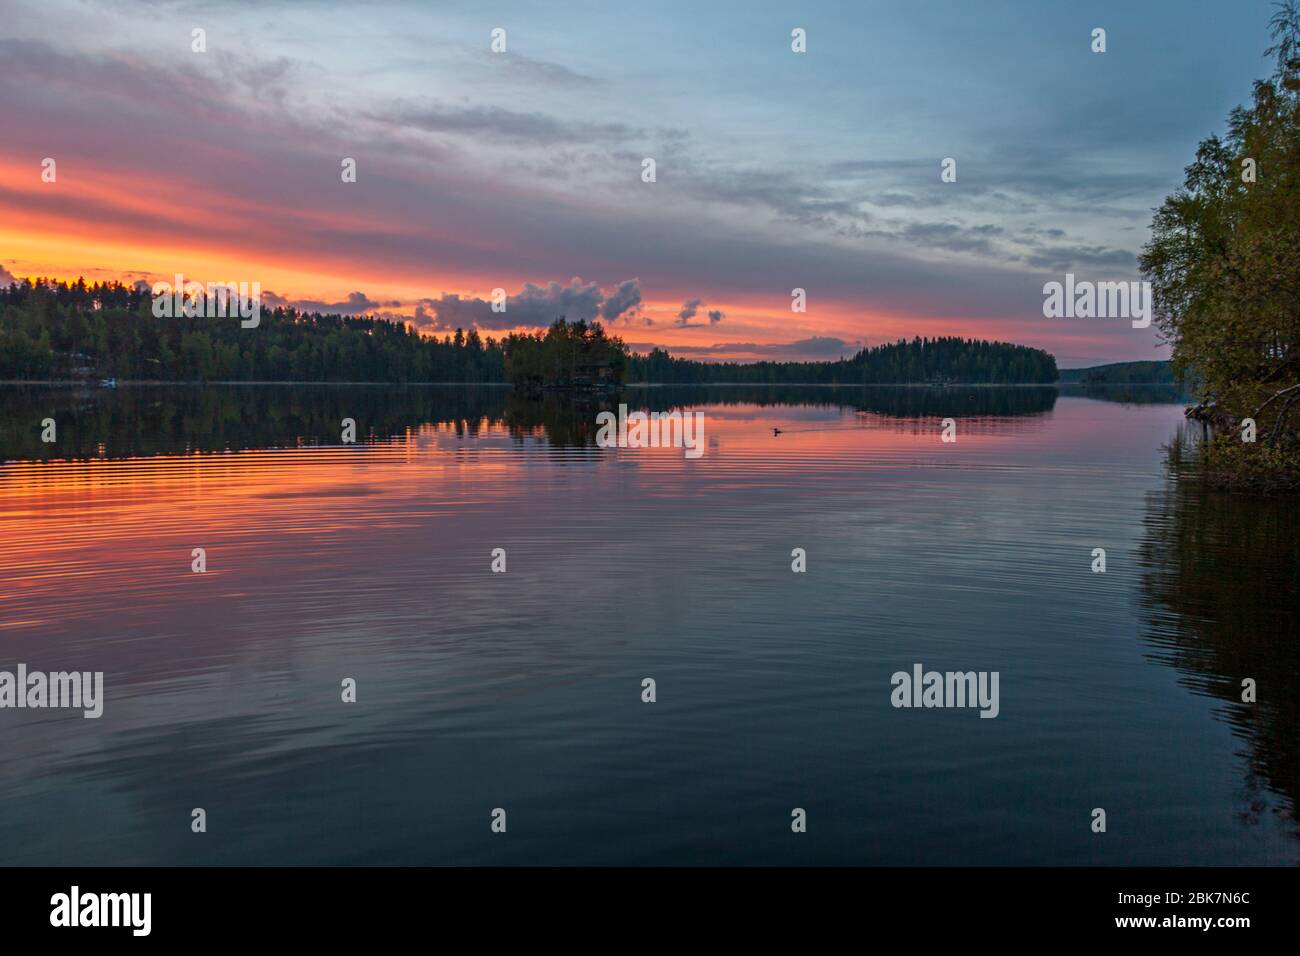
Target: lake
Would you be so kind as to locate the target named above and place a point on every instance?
(522, 690)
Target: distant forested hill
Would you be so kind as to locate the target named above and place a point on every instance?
(1120, 373)
(944, 360)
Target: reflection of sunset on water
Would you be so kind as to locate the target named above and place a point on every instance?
(373, 561)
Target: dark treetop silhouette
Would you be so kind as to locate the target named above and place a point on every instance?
(62, 330)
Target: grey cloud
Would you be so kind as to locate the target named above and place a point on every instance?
(452, 312)
(357, 303)
(267, 80)
(1015, 164)
(688, 310)
(906, 200)
(953, 237)
(1065, 257)
(531, 71)
(623, 300)
(503, 123)
(533, 306)
(792, 197)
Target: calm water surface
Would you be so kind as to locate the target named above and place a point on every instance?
(523, 690)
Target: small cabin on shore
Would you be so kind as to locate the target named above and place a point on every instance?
(592, 375)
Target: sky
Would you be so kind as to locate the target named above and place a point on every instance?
(523, 170)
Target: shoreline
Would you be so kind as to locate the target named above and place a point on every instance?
(159, 383)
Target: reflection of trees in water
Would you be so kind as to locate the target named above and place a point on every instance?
(566, 421)
(1130, 394)
(133, 421)
(569, 420)
(1221, 592)
(899, 401)
(957, 402)
(151, 420)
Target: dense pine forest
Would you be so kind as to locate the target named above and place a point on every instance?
(72, 330)
(1121, 373)
(941, 360)
(60, 330)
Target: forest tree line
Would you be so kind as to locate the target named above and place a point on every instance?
(948, 359)
(1121, 373)
(61, 330)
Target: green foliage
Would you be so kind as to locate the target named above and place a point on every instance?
(567, 353)
(1233, 465)
(1224, 258)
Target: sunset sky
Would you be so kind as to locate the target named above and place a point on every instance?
(522, 170)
